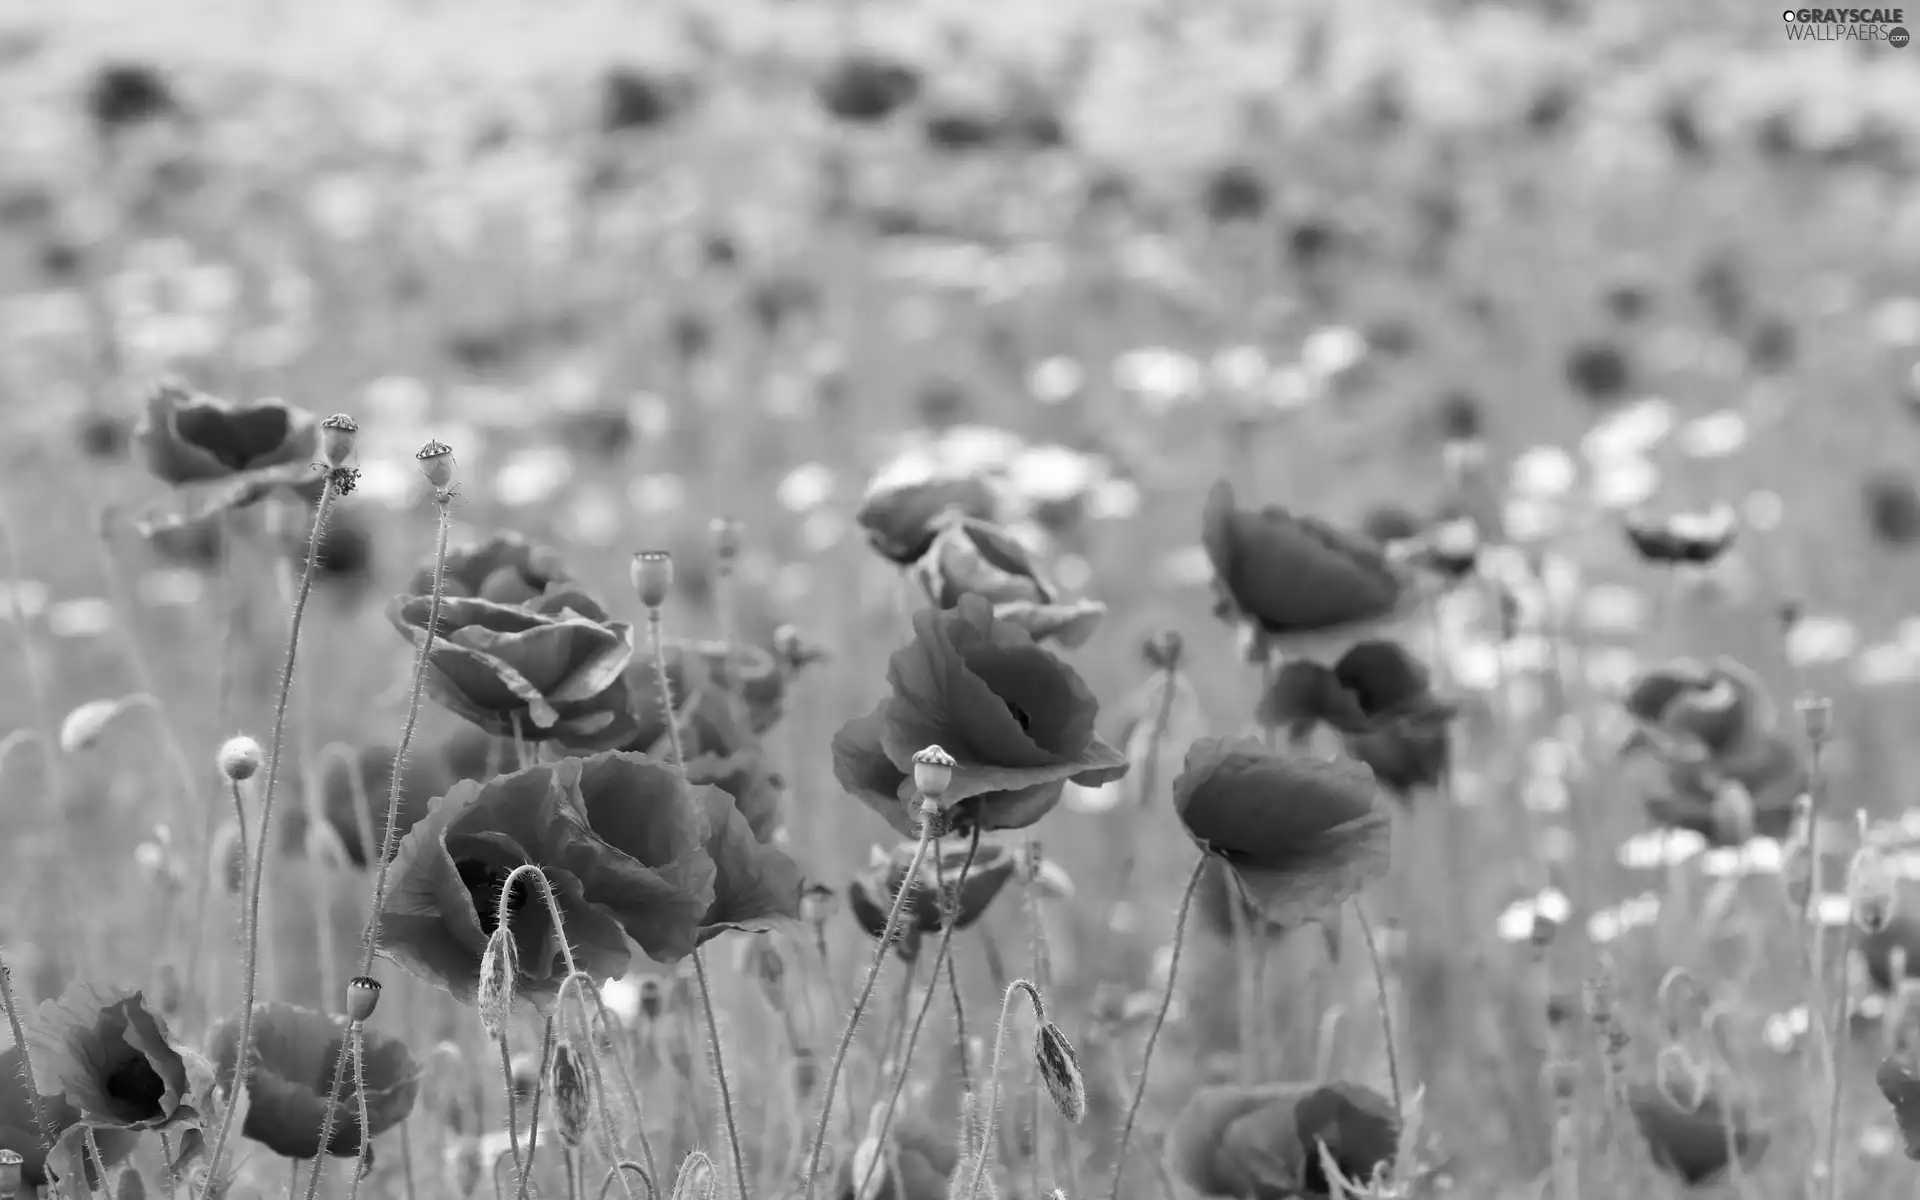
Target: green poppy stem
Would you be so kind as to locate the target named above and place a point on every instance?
(656, 638)
(990, 1123)
(533, 1121)
(47, 1132)
(1159, 1021)
(720, 1073)
(929, 814)
(1841, 1016)
(243, 1050)
(1386, 1010)
(357, 1036)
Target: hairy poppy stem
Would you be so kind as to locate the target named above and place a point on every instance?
(39, 1102)
(989, 1124)
(1386, 1012)
(941, 955)
(1841, 1015)
(720, 1073)
(240, 823)
(929, 814)
(357, 1037)
(657, 643)
(533, 1121)
(579, 984)
(244, 1047)
(1159, 1021)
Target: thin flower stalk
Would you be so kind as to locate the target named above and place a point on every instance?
(14, 1028)
(1386, 1009)
(609, 1139)
(244, 1046)
(720, 1073)
(990, 1123)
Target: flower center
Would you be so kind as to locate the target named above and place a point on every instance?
(484, 883)
(1020, 715)
(135, 1083)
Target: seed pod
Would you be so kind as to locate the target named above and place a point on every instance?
(436, 463)
(653, 997)
(933, 772)
(240, 758)
(1060, 1071)
(12, 1167)
(363, 995)
(336, 438)
(499, 968)
(1816, 717)
(570, 1100)
(806, 1071)
(652, 575)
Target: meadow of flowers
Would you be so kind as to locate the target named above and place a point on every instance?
(933, 602)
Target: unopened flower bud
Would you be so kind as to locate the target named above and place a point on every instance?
(240, 758)
(229, 855)
(1597, 997)
(725, 532)
(1681, 1080)
(363, 996)
(436, 463)
(652, 575)
(12, 1168)
(1871, 890)
(1796, 873)
(570, 1101)
(83, 726)
(933, 772)
(1162, 650)
(336, 438)
(130, 1187)
(806, 1071)
(499, 969)
(653, 997)
(1060, 1071)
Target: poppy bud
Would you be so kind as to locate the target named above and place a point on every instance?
(12, 1166)
(499, 967)
(763, 961)
(1559, 1009)
(570, 1103)
(652, 575)
(84, 725)
(436, 463)
(1060, 1071)
(1871, 891)
(725, 532)
(1816, 717)
(933, 772)
(653, 998)
(240, 758)
(1597, 997)
(336, 438)
(363, 995)
(1162, 650)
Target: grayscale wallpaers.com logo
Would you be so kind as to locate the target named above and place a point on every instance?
(1848, 25)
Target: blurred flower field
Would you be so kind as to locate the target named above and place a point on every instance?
(941, 601)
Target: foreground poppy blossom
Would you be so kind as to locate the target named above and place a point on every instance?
(20, 1128)
(1692, 1144)
(971, 555)
(190, 437)
(901, 518)
(1019, 720)
(112, 1058)
(1301, 835)
(547, 671)
(1252, 1142)
(291, 1085)
(1683, 539)
(1900, 937)
(618, 838)
(757, 790)
(1295, 579)
(870, 895)
(1379, 698)
(725, 698)
(753, 883)
(505, 569)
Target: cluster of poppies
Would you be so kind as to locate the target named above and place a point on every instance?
(105, 1069)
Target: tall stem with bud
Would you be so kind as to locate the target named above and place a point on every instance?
(1159, 1021)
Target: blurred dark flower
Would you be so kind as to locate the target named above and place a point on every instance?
(1893, 508)
(959, 128)
(103, 436)
(1548, 110)
(864, 88)
(191, 437)
(779, 301)
(724, 697)
(1722, 285)
(1723, 707)
(504, 569)
(926, 1158)
(1311, 240)
(602, 432)
(1901, 934)
(113, 1059)
(1234, 191)
(1393, 336)
(1680, 120)
(1296, 577)
(1599, 371)
(690, 334)
(61, 260)
(1695, 539)
(21, 1130)
(291, 1084)
(353, 794)
(1379, 698)
(1390, 522)
(971, 556)
(1627, 300)
(1692, 1144)
(941, 402)
(548, 670)
(1019, 722)
(199, 544)
(753, 882)
(870, 894)
(1771, 345)
(123, 94)
(345, 554)
(1899, 1082)
(632, 98)
(757, 789)
(1261, 1141)
(1302, 835)
(1462, 419)
(1776, 136)
(620, 840)
(901, 519)
(1708, 729)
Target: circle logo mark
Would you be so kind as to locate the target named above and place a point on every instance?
(1787, 16)
(1898, 37)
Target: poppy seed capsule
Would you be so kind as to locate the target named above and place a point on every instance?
(652, 575)
(1162, 650)
(363, 996)
(1816, 717)
(240, 758)
(1060, 1071)
(725, 532)
(12, 1167)
(933, 772)
(336, 438)
(1562, 1079)
(436, 463)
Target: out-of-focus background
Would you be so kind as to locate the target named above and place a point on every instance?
(642, 265)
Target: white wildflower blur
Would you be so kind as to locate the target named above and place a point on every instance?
(1611, 924)
(1818, 640)
(1657, 848)
(1624, 481)
(1516, 922)
(1763, 511)
(532, 476)
(1544, 472)
(1056, 380)
(1784, 1030)
(83, 617)
(1760, 856)
(806, 487)
(1632, 430)
(1159, 377)
(1331, 351)
(1715, 435)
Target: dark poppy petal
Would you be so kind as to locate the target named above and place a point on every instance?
(112, 1058)
(290, 1084)
(1237, 1140)
(1303, 694)
(542, 656)
(662, 880)
(969, 556)
(1357, 1126)
(1383, 677)
(863, 769)
(899, 518)
(757, 791)
(1297, 574)
(1692, 1144)
(754, 883)
(1014, 809)
(1899, 1082)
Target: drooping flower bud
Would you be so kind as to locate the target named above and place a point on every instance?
(652, 575)
(499, 968)
(933, 772)
(1060, 1071)
(653, 998)
(336, 438)
(240, 758)
(363, 996)
(436, 463)
(571, 1106)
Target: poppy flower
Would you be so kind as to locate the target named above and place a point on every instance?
(1893, 508)
(1600, 371)
(191, 437)
(1723, 708)
(870, 895)
(355, 793)
(291, 1085)
(504, 569)
(1252, 1142)
(125, 94)
(1693, 539)
(758, 791)
(21, 1130)
(971, 555)
(1705, 725)
(1301, 835)
(1018, 721)
(1379, 698)
(699, 674)
(1692, 1143)
(926, 1157)
(753, 882)
(112, 1058)
(618, 838)
(901, 519)
(1296, 578)
(634, 99)
(1234, 191)
(550, 669)
(866, 88)
(1899, 1082)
